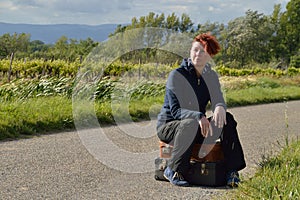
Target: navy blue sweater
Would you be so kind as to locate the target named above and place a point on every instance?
(187, 95)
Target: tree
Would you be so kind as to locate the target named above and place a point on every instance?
(164, 24)
(248, 38)
(13, 43)
(185, 24)
(182, 24)
(172, 22)
(60, 48)
(36, 46)
(289, 31)
(37, 49)
(85, 46)
(277, 47)
(72, 49)
(214, 28)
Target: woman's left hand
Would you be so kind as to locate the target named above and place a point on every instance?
(219, 116)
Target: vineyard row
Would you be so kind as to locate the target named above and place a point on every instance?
(59, 68)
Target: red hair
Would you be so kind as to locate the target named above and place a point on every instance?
(209, 43)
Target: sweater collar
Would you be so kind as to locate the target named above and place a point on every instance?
(188, 65)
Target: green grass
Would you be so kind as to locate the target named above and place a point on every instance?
(270, 82)
(51, 114)
(35, 116)
(278, 177)
(22, 117)
(259, 95)
(240, 91)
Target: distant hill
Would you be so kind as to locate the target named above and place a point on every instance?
(50, 33)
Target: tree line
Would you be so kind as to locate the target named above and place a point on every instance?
(64, 48)
(252, 38)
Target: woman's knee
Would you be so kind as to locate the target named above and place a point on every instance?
(189, 125)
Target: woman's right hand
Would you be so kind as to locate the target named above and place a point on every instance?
(205, 126)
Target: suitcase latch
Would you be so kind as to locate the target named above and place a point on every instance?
(204, 171)
(166, 149)
(163, 165)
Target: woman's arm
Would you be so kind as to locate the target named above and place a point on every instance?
(216, 97)
(178, 91)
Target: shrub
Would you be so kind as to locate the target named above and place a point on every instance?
(295, 61)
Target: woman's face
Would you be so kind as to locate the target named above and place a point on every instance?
(198, 55)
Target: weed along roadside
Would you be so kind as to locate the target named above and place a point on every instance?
(276, 178)
(277, 173)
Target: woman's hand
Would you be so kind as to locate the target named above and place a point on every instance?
(205, 126)
(219, 116)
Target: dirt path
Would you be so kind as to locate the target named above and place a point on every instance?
(59, 166)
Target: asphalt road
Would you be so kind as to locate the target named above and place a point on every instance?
(82, 165)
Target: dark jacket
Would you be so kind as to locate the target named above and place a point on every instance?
(187, 96)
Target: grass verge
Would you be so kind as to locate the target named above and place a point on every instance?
(278, 177)
(259, 95)
(22, 118)
(35, 116)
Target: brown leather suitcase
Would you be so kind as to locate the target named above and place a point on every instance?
(210, 174)
(207, 166)
(207, 174)
(208, 153)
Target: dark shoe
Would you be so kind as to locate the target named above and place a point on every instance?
(174, 177)
(233, 179)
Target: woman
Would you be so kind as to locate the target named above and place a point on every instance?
(182, 119)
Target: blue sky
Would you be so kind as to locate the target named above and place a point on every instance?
(95, 12)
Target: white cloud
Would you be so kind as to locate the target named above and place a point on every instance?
(7, 5)
(210, 8)
(119, 11)
(214, 9)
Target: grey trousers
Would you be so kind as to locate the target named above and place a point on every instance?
(183, 134)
